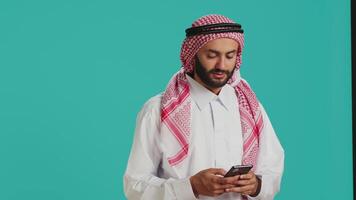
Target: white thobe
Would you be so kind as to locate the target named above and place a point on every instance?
(216, 142)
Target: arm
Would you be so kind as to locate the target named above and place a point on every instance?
(270, 162)
(141, 180)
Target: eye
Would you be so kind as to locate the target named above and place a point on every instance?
(211, 55)
(230, 55)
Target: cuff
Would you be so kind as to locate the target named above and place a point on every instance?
(183, 189)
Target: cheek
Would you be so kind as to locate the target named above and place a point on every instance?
(231, 63)
(208, 64)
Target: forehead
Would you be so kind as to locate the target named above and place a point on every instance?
(220, 44)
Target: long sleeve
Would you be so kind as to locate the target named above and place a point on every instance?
(141, 179)
(270, 162)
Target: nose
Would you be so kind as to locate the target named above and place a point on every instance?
(220, 63)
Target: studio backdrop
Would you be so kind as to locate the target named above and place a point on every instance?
(74, 74)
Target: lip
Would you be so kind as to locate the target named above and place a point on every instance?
(218, 75)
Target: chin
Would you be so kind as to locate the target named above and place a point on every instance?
(219, 83)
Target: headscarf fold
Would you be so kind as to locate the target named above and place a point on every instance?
(176, 100)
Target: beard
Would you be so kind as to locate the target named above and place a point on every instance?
(206, 76)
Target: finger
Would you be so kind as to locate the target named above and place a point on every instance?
(218, 192)
(221, 187)
(218, 171)
(230, 180)
(217, 179)
(247, 181)
(247, 176)
(224, 181)
(240, 189)
(226, 186)
(248, 192)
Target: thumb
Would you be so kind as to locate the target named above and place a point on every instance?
(218, 171)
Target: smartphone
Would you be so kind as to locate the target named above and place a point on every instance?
(238, 170)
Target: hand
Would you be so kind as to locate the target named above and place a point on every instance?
(247, 184)
(210, 182)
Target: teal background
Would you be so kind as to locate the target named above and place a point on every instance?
(74, 74)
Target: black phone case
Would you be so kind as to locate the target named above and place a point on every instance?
(238, 170)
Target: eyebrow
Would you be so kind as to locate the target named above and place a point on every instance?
(217, 52)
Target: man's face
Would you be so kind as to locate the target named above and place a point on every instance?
(215, 63)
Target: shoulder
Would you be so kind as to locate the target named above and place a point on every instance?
(151, 108)
(152, 103)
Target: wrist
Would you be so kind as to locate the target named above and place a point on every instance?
(192, 183)
(258, 188)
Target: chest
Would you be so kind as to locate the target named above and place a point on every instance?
(216, 137)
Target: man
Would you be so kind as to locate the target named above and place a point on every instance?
(207, 120)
